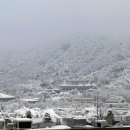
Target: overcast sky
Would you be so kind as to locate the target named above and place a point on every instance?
(27, 23)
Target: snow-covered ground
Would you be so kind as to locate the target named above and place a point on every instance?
(54, 127)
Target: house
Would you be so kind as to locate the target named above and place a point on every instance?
(31, 100)
(5, 97)
(84, 100)
(117, 102)
(116, 99)
(72, 85)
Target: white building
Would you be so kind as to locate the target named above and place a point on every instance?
(5, 97)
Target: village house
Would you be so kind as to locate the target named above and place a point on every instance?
(5, 97)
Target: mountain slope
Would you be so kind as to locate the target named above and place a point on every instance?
(103, 60)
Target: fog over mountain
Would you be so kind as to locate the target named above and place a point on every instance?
(28, 23)
(59, 40)
(103, 60)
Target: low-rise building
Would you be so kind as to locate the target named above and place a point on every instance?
(5, 97)
(116, 99)
(31, 100)
(79, 85)
(84, 100)
(117, 102)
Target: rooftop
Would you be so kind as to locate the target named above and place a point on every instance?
(31, 100)
(4, 96)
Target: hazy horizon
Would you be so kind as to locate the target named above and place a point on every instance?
(29, 23)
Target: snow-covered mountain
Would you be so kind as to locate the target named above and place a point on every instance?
(105, 61)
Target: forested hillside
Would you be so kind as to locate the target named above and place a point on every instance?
(104, 61)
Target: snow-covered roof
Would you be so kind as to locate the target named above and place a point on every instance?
(30, 100)
(4, 96)
(56, 98)
(2, 120)
(75, 85)
(60, 127)
(22, 119)
(55, 127)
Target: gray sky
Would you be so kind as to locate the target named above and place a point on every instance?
(27, 23)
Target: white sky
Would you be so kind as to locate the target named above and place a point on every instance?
(27, 23)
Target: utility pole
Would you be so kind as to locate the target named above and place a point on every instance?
(97, 108)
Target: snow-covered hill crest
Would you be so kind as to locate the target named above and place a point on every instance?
(102, 59)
